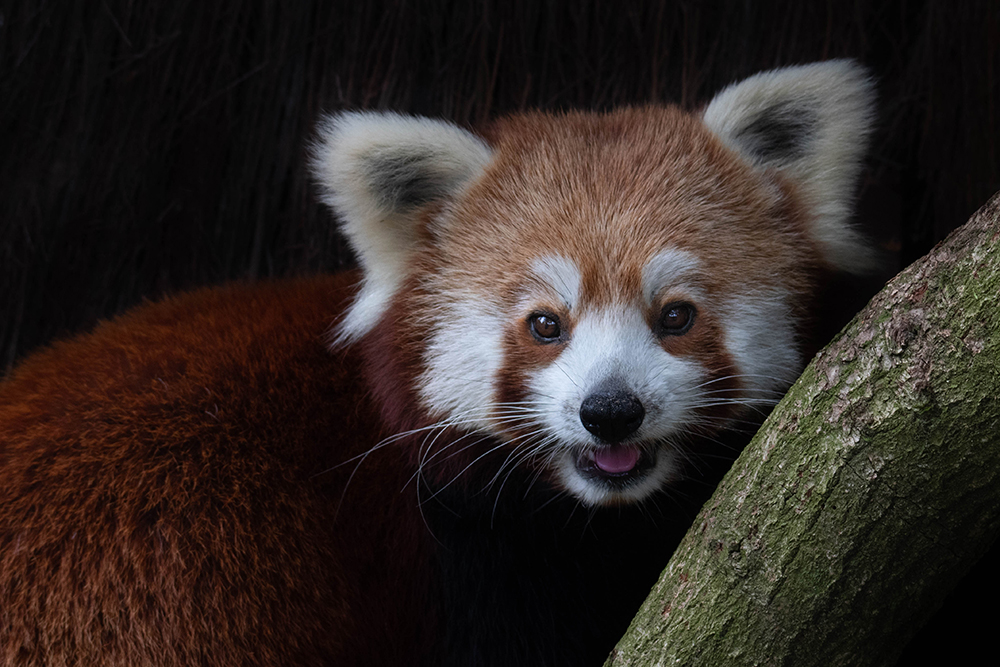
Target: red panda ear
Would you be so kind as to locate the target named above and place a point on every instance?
(811, 124)
(377, 171)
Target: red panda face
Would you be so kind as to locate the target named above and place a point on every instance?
(603, 324)
(595, 292)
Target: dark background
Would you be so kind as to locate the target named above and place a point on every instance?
(147, 147)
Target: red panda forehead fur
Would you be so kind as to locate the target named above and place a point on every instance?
(608, 192)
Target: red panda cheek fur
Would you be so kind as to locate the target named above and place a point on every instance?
(703, 344)
(523, 354)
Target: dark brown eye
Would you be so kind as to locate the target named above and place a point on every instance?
(544, 327)
(676, 319)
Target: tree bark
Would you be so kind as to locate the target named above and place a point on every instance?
(865, 497)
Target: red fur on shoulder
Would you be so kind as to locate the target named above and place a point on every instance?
(172, 493)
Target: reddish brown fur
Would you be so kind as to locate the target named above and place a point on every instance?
(629, 182)
(170, 495)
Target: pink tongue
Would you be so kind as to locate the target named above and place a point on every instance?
(616, 460)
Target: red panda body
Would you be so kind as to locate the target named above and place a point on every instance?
(166, 500)
(550, 318)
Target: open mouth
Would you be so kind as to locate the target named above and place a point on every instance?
(614, 464)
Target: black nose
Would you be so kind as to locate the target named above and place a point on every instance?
(611, 414)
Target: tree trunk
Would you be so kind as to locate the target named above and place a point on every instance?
(868, 493)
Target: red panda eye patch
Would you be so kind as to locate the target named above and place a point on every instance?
(544, 327)
(676, 319)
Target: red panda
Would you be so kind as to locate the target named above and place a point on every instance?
(479, 463)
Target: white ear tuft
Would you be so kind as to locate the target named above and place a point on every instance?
(811, 124)
(377, 171)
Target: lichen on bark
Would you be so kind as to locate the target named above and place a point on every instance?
(869, 491)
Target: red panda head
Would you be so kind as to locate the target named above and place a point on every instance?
(592, 291)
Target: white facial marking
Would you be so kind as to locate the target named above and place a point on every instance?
(760, 335)
(670, 267)
(615, 344)
(462, 362)
(560, 275)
